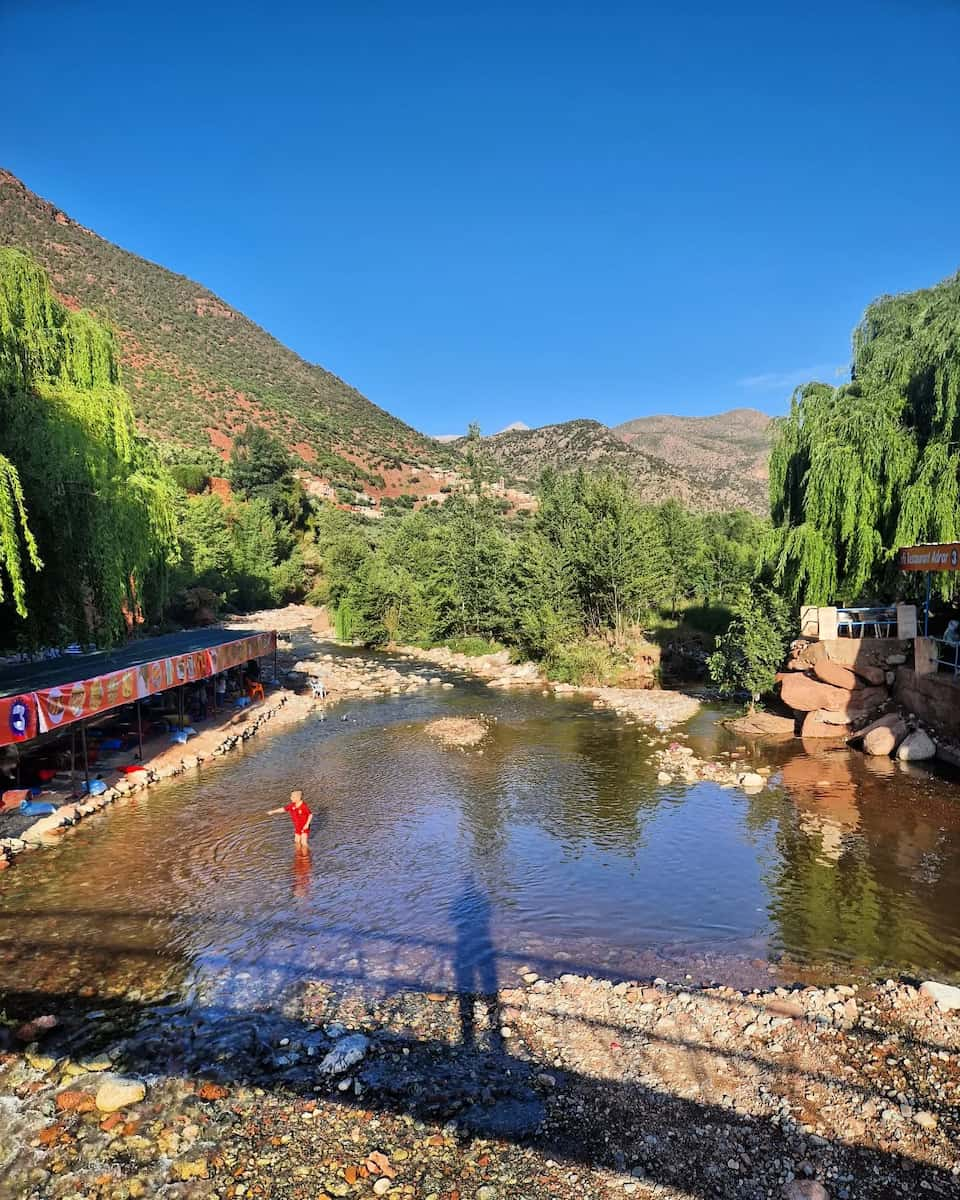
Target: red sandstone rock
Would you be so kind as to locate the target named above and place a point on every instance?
(807, 695)
(870, 674)
(811, 653)
(840, 716)
(837, 676)
(75, 1101)
(814, 727)
(882, 740)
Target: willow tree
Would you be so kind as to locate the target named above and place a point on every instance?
(15, 537)
(98, 501)
(859, 470)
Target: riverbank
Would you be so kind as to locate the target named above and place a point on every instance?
(569, 1087)
(648, 705)
(162, 761)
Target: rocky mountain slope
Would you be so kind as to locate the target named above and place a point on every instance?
(197, 369)
(710, 463)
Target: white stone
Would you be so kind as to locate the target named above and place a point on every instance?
(947, 997)
(345, 1054)
(916, 747)
(119, 1093)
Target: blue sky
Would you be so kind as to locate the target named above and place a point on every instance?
(521, 211)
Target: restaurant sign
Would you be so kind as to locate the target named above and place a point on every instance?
(944, 556)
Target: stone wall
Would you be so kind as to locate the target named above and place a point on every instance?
(870, 652)
(935, 699)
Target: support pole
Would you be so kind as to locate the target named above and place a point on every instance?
(139, 732)
(276, 672)
(86, 759)
(73, 760)
(180, 705)
(926, 607)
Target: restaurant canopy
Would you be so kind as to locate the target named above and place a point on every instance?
(37, 697)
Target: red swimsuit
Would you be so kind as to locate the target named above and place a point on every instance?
(299, 815)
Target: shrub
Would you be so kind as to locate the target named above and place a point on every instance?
(472, 646)
(584, 662)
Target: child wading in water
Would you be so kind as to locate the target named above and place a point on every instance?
(300, 815)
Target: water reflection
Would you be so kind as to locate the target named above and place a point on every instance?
(440, 869)
(302, 872)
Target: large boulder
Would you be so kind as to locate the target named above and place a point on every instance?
(837, 676)
(944, 995)
(870, 674)
(882, 737)
(840, 716)
(815, 727)
(916, 747)
(805, 694)
(763, 724)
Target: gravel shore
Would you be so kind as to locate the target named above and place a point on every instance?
(569, 1087)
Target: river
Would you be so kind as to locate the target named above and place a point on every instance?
(434, 868)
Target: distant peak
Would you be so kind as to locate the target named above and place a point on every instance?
(515, 427)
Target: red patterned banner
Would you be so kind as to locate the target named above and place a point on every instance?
(52, 708)
(18, 719)
(71, 702)
(233, 654)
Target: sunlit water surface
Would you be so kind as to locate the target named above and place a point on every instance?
(434, 868)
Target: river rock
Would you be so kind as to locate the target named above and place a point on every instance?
(805, 1189)
(838, 717)
(345, 1054)
(871, 674)
(916, 747)
(946, 997)
(815, 727)
(806, 694)
(119, 1093)
(883, 737)
(764, 724)
(837, 676)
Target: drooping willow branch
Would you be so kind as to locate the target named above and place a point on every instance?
(859, 470)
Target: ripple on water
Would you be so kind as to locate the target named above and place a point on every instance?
(437, 868)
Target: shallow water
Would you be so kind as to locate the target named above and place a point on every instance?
(435, 868)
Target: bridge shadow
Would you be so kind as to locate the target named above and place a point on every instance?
(487, 1093)
(454, 1066)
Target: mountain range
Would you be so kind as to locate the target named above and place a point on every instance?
(198, 371)
(710, 463)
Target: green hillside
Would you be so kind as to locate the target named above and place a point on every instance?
(197, 369)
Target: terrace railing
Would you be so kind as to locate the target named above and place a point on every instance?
(858, 622)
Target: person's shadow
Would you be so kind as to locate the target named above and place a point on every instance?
(475, 964)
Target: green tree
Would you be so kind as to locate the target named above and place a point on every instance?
(16, 540)
(752, 650)
(547, 611)
(682, 536)
(100, 503)
(259, 466)
(858, 470)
